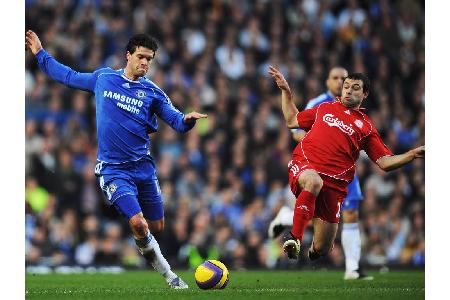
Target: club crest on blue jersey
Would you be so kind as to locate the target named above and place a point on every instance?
(112, 188)
(140, 94)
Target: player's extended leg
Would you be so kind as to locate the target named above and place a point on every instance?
(121, 188)
(351, 243)
(323, 238)
(351, 238)
(310, 183)
(147, 244)
(326, 219)
(151, 203)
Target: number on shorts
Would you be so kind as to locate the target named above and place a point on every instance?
(98, 168)
(294, 169)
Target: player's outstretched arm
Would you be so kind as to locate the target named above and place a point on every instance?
(171, 115)
(388, 163)
(288, 107)
(56, 70)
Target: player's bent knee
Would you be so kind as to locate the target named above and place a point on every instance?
(314, 183)
(317, 182)
(139, 226)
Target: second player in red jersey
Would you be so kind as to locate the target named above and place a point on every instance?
(338, 134)
(323, 163)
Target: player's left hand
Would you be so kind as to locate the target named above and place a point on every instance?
(32, 42)
(419, 152)
(194, 116)
(279, 79)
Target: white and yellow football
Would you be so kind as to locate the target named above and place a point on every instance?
(211, 274)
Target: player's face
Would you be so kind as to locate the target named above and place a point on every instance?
(352, 93)
(335, 80)
(140, 60)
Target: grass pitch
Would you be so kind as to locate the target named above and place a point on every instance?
(243, 285)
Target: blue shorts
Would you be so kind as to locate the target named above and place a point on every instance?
(354, 195)
(132, 188)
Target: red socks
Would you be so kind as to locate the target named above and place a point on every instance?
(303, 213)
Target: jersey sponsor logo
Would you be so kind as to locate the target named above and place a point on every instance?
(333, 121)
(128, 107)
(123, 98)
(124, 102)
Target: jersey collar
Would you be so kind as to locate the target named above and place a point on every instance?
(122, 73)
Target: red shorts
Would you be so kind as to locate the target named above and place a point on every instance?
(331, 196)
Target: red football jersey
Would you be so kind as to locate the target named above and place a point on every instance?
(335, 135)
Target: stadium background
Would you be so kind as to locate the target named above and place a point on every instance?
(226, 179)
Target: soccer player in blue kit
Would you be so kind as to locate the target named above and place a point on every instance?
(127, 104)
(351, 240)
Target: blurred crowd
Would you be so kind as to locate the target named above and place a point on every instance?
(226, 179)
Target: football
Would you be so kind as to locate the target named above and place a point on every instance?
(211, 274)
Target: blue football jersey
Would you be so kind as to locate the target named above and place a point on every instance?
(126, 110)
(325, 97)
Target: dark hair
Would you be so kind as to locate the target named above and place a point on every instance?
(141, 40)
(360, 76)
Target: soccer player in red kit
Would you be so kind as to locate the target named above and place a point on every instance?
(323, 163)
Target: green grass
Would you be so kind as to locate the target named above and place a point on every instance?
(243, 285)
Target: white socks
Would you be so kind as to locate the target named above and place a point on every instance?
(286, 216)
(149, 248)
(351, 242)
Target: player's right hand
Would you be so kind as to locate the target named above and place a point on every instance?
(419, 152)
(193, 116)
(279, 79)
(32, 42)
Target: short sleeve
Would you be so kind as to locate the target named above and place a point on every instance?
(375, 148)
(306, 118)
